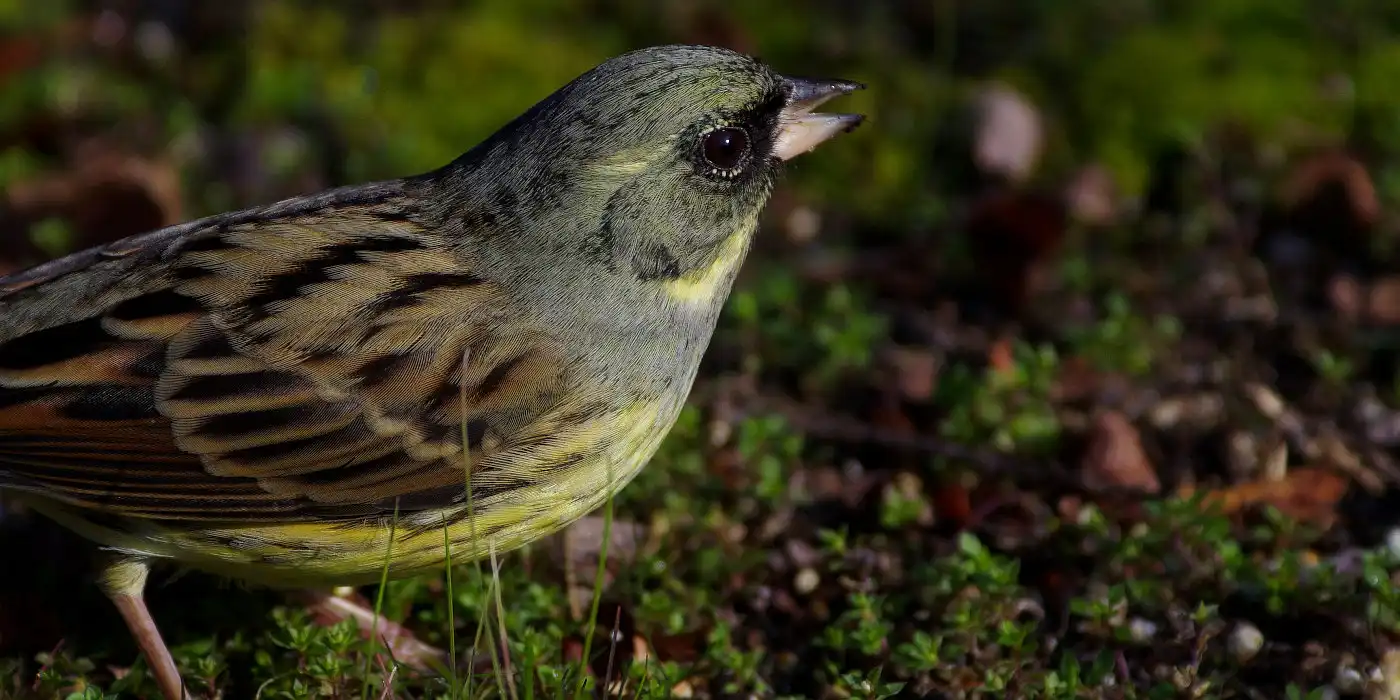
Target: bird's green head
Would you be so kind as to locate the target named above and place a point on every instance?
(657, 163)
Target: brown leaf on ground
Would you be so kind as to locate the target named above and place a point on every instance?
(952, 503)
(1308, 494)
(1332, 186)
(1383, 300)
(914, 371)
(327, 609)
(1000, 357)
(1115, 458)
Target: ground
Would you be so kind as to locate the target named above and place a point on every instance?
(1071, 374)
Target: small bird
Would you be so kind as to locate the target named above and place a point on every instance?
(303, 393)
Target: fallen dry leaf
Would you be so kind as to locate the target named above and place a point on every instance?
(953, 503)
(1115, 458)
(915, 371)
(1332, 184)
(1000, 357)
(1307, 493)
(1383, 300)
(328, 609)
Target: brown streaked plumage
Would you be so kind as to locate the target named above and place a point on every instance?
(259, 393)
(269, 366)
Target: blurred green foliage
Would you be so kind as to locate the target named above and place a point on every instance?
(409, 89)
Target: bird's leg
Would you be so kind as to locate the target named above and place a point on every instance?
(124, 581)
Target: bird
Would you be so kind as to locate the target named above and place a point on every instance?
(310, 392)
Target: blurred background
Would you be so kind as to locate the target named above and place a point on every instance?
(1086, 259)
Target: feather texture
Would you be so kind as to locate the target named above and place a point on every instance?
(282, 366)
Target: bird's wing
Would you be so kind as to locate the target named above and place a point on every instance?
(280, 367)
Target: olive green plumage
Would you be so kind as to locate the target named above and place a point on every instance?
(258, 393)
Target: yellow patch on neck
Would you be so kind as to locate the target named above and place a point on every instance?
(702, 285)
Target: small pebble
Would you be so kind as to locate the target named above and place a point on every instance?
(155, 41)
(1140, 630)
(1348, 680)
(1244, 642)
(803, 224)
(1392, 542)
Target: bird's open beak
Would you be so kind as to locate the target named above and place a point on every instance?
(800, 129)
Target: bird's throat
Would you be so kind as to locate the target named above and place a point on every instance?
(710, 284)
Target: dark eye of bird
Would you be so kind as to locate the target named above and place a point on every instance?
(725, 148)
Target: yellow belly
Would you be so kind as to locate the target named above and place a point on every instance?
(316, 554)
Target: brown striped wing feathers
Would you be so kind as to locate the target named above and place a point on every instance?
(303, 365)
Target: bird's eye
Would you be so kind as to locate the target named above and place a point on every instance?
(725, 148)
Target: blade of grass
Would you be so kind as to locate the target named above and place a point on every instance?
(387, 692)
(481, 629)
(612, 648)
(379, 598)
(501, 621)
(597, 587)
(451, 615)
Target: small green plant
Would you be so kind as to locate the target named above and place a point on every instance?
(865, 685)
(1296, 693)
(769, 449)
(1334, 369)
(826, 333)
(739, 668)
(1125, 341)
(903, 504)
(920, 654)
(1008, 408)
(861, 629)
